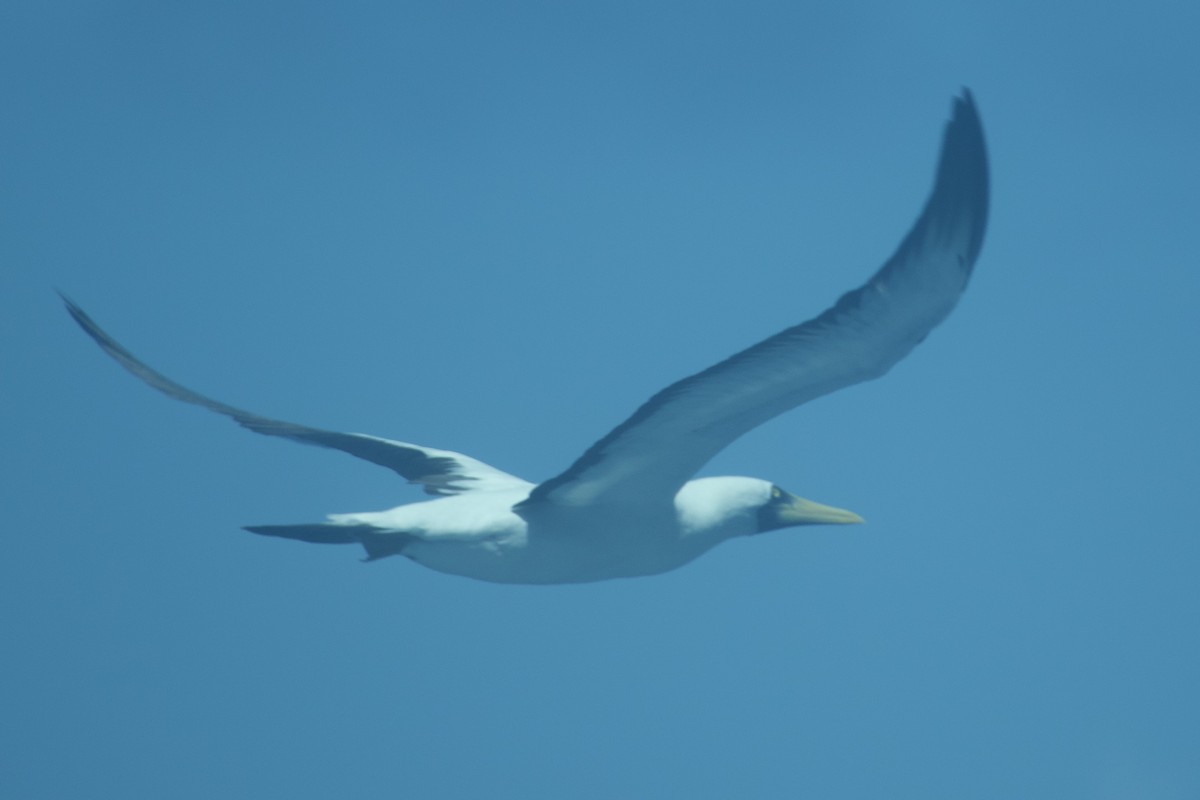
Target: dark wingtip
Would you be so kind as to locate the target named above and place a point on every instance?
(72, 307)
(107, 343)
(88, 324)
(966, 114)
(962, 186)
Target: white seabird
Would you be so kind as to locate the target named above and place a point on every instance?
(628, 506)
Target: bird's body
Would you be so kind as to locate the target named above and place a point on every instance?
(629, 506)
(479, 535)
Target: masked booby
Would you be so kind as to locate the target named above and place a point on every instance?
(629, 505)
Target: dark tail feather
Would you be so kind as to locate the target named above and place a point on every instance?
(317, 532)
(377, 543)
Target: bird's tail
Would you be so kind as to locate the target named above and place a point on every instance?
(378, 543)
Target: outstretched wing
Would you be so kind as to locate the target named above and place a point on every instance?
(677, 431)
(438, 471)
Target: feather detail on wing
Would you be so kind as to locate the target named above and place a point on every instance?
(654, 452)
(439, 472)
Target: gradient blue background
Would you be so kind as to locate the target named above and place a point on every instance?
(499, 227)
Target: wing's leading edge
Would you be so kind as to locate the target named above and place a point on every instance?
(438, 471)
(650, 455)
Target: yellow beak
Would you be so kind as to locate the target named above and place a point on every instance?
(805, 512)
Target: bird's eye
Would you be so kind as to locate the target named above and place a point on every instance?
(776, 493)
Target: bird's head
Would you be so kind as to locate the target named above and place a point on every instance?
(742, 506)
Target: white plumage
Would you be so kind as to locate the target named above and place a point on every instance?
(629, 506)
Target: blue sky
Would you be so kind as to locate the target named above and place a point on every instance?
(497, 228)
